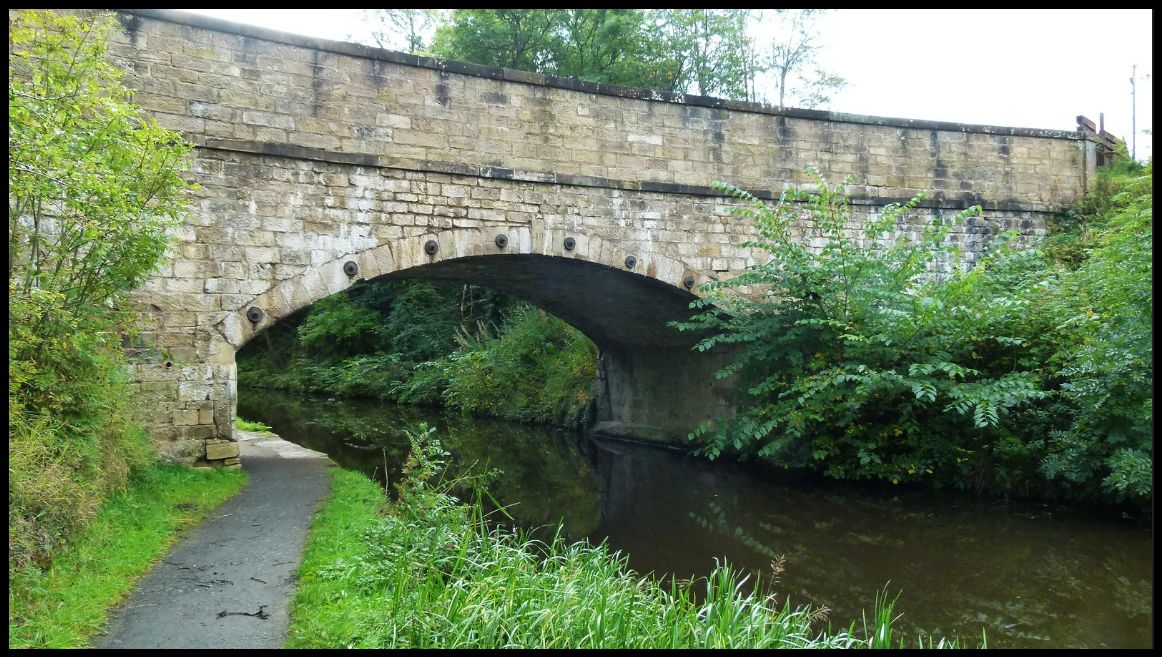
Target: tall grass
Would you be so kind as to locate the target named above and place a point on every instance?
(429, 572)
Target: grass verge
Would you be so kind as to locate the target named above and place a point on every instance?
(248, 425)
(64, 605)
(426, 572)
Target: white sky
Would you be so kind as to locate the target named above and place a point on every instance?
(1022, 68)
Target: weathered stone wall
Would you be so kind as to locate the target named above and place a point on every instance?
(274, 232)
(316, 154)
(252, 85)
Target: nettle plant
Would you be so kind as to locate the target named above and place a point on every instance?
(865, 350)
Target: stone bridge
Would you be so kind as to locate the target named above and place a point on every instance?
(322, 164)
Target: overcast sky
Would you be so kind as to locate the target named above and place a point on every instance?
(1023, 68)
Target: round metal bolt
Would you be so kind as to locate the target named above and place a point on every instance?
(431, 246)
(502, 240)
(688, 281)
(630, 262)
(350, 268)
(254, 314)
(570, 243)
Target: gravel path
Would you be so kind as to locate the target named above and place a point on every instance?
(228, 582)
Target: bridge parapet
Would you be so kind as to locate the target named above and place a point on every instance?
(234, 85)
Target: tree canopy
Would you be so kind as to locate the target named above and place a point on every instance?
(710, 52)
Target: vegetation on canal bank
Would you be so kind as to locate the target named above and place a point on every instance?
(94, 188)
(421, 342)
(427, 572)
(62, 604)
(1029, 372)
(248, 425)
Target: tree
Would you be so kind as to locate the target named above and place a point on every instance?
(410, 24)
(705, 51)
(604, 45)
(790, 58)
(524, 39)
(93, 184)
(702, 51)
(709, 52)
(94, 187)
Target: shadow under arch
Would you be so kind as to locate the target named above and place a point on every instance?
(615, 309)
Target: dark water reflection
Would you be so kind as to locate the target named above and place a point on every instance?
(1030, 576)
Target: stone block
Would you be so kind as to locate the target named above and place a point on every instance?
(180, 451)
(185, 418)
(218, 451)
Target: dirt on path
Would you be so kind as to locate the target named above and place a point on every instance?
(228, 582)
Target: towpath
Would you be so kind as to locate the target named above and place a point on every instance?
(228, 583)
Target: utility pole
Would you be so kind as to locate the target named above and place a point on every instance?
(1133, 114)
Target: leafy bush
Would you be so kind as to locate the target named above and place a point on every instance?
(250, 425)
(94, 184)
(868, 356)
(1103, 348)
(856, 357)
(539, 370)
(94, 187)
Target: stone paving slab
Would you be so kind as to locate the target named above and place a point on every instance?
(241, 561)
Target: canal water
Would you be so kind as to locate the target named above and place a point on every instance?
(1027, 575)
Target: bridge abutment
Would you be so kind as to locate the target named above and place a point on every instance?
(660, 394)
(185, 384)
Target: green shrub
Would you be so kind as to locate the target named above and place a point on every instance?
(539, 369)
(94, 187)
(249, 425)
(885, 359)
(863, 361)
(1102, 349)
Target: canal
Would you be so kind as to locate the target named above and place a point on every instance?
(1028, 575)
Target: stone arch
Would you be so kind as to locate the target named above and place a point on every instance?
(406, 257)
(380, 154)
(642, 358)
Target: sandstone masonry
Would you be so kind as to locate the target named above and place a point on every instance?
(318, 159)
